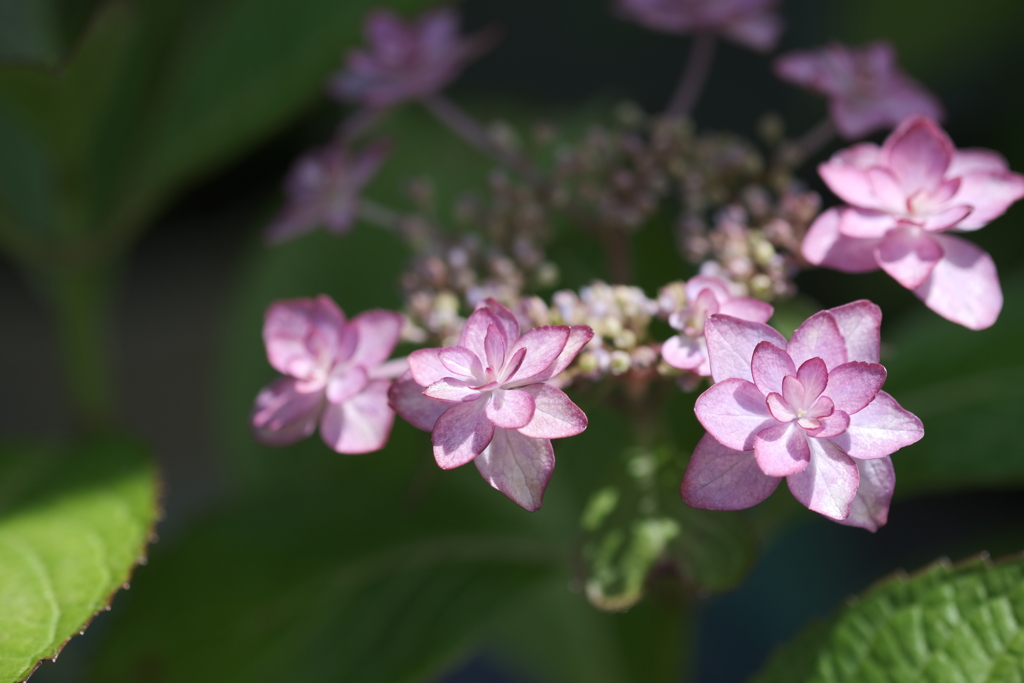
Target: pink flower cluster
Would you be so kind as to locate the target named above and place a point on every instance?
(751, 23)
(810, 410)
(904, 198)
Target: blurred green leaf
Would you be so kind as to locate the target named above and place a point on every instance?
(72, 526)
(40, 31)
(946, 623)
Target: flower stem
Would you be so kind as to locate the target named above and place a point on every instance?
(357, 123)
(380, 216)
(810, 143)
(695, 75)
(617, 249)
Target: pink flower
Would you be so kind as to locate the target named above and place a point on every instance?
(336, 375)
(905, 196)
(865, 87)
(748, 22)
(323, 188)
(706, 296)
(811, 410)
(406, 60)
(488, 399)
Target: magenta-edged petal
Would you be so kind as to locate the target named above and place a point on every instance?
(543, 346)
(461, 433)
(474, 332)
(813, 375)
(828, 484)
(733, 411)
(731, 344)
(947, 218)
(579, 336)
(510, 409)
(908, 255)
(406, 398)
(918, 152)
(820, 409)
(361, 424)
(779, 408)
(793, 392)
(343, 384)
(769, 365)
(890, 193)
(555, 416)
(870, 508)
(852, 386)
(378, 333)
(283, 415)
(880, 429)
(462, 363)
(824, 245)
(508, 323)
(865, 223)
(781, 450)
(302, 335)
(685, 352)
(963, 286)
(426, 367)
(453, 390)
(720, 478)
(519, 466)
(846, 174)
(718, 287)
(818, 337)
(830, 425)
(494, 348)
(747, 308)
(760, 32)
(990, 193)
(860, 324)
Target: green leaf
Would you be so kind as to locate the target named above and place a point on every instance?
(40, 32)
(946, 623)
(72, 526)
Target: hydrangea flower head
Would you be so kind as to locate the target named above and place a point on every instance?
(487, 399)
(905, 197)
(335, 375)
(866, 89)
(751, 23)
(405, 60)
(810, 410)
(706, 296)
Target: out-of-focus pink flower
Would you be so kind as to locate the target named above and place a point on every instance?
(810, 410)
(488, 399)
(751, 23)
(706, 296)
(904, 197)
(323, 188)
(406, 60)
(335, 375)
(866, 89)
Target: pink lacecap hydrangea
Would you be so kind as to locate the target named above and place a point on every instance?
(751, 23)
(706, 296)
(904, 198)
(323, 188)
(406, 60)
(866, 89)
(488, 399)
(810, 410)
(336, 375)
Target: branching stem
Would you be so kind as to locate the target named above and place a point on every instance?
(695, 75)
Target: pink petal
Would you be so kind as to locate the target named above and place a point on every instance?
(733, 411)
(555, 415)
(860, 325)
(814, 377)
(461, 433)
(494, 347)
(880, 429)
(818, 337)
(426, 367)
(760, 32)
(919, 152)
(890, 193)
(508, 323)
(462, 363)
(378, 333)
(686, 353)
(699, 283)
(831, 425)
(474, 332)
(870, 509)
(779, 408)
(720, 478)
(829, 482)
(518, 466)
(769, 365)
(731, 344)
(865, 223)
(747, 308)
(947, 218)
(302, 335)
(852, 386)
(963, 286)
(343, 384)
(406, 398)
(511, 409)
(846, 174)
(282, 415)
(579, 336)
(824, 245)
(453, 390)
(908, 255)
(990, 193)
(543, 346)
(976, 160)
(781, 450)
(361, 424)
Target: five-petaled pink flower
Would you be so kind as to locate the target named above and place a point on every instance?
(337, 376)
(706, 296)
(904, 197)
(323, 188)
(487, 399)
(811, 410)
(751, 23)
(406, 60)
(866, 89)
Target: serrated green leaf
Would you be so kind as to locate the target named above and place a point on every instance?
(73, 524)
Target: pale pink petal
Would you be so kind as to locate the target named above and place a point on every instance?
(731, 344)
(519, 466)
(453, 390)
(870, 509)
(963, 286)
(511, 409)
(747, 308)
(302, 335)
(793, 393)
(880, 429)
(686, 353)
(976, 160)
(555, 415)
(950, 217)
(474, 331)
(818, 337)
(781, 450)
(543, 346)
(824, 245)
(579, 336)
(908, 255)
(461, 433)
(769, 365)
(406, 398)
(509, 325)
(343, 384)
(860, 325)
(283, 415)
(829, 482)
(390, 369)
(918, 152)
(846, 174)
(494, 347)
(990, 193)
(831, 425)
(426, 366)
(891, 196)
(733, 411)
(813, 375)
(779, 408)
(759, 32)
(852, 386)
(462, 363)
(820, 409)
(378, 333)
(865, 223)
(718, 287)
(361, 424)
(720, 478)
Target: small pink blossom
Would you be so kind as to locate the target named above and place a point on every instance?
(810, 410)
(335, 375)
(904, 197)
(706, 296)
(866, 89)
(406, 60)
(751, 23)
(488, 399)
(323, 188)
